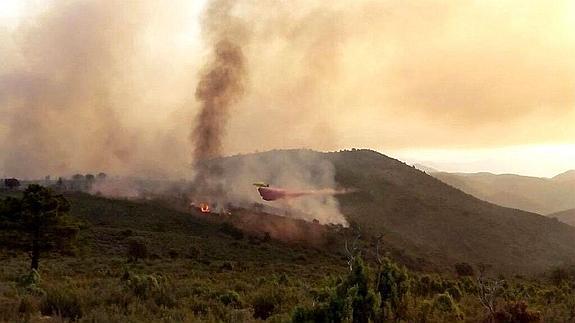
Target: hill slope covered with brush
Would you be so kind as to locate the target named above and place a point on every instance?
(435, 222)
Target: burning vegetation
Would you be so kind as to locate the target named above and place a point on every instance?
(205, 207)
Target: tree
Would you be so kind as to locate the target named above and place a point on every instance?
(350, 300)
(393, 286)
(9, 210)
(78, 182)
(11, 183)
(487, 291)
(90, 179)
(464, 269)
(42, 219)
(364, 301)
(60, 183)
(137, 249)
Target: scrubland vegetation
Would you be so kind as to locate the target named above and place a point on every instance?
(140, 262)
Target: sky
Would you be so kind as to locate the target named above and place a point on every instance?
(456, 85)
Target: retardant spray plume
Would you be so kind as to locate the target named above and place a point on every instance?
(272, 193)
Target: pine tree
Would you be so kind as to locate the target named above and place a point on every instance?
(41, 219)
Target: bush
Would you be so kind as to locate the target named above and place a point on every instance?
(266, 302)
(153, 287)
(126, 233)
(230, 298)
(165, 297)
(227, 266)
(446, 307)
(63, 302)
(517, 312)
(230, 230)
(137, 249)
(173, 254)
(425, 311)
(283, 279)
(195, 252)
(393, 287)
(141, 285)
(27, 306)
(32, 278)
(29, 282)
(444, 303)
(560, 274)
(455, 292)
(464, 269)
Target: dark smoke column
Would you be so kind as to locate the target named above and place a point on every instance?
(220, 86)
(217, 90)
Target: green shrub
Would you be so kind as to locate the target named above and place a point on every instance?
(393, 286)
(559, 275)
(467, 285)
(30, 282)
(350, 298)
(446, 307)
(464, 269)
(141, 285)
(455, 292)
(28, 306)
(29, 279)
(137, 249)
(165, 297)
(230, 298)
(200, 307)
(444, 303)
(63, 302)
(425, 311)
(266, 302)
(230, 230)
(283, 279)
(517, 312)
(364, 302)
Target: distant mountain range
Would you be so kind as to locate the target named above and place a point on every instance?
(567, 216)
(432, 222)
(533, 194)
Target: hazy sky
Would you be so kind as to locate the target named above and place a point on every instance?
(460, 85)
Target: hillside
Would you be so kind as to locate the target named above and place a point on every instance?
(533, 194)
(566, 176)
(198, 269)
(167, 231)
(432, 221)
(567, 216)
(425, 223)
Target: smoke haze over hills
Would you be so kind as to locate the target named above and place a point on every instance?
(109, 86)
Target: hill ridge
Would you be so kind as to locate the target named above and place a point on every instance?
(433, 217)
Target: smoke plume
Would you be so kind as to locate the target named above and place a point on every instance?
(74, 87)
(218, 89)
(292, 170)
(89, 86)
(220, 86)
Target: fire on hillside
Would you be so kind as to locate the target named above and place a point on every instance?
(259, 221)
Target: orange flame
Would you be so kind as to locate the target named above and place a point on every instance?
(204, 207)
